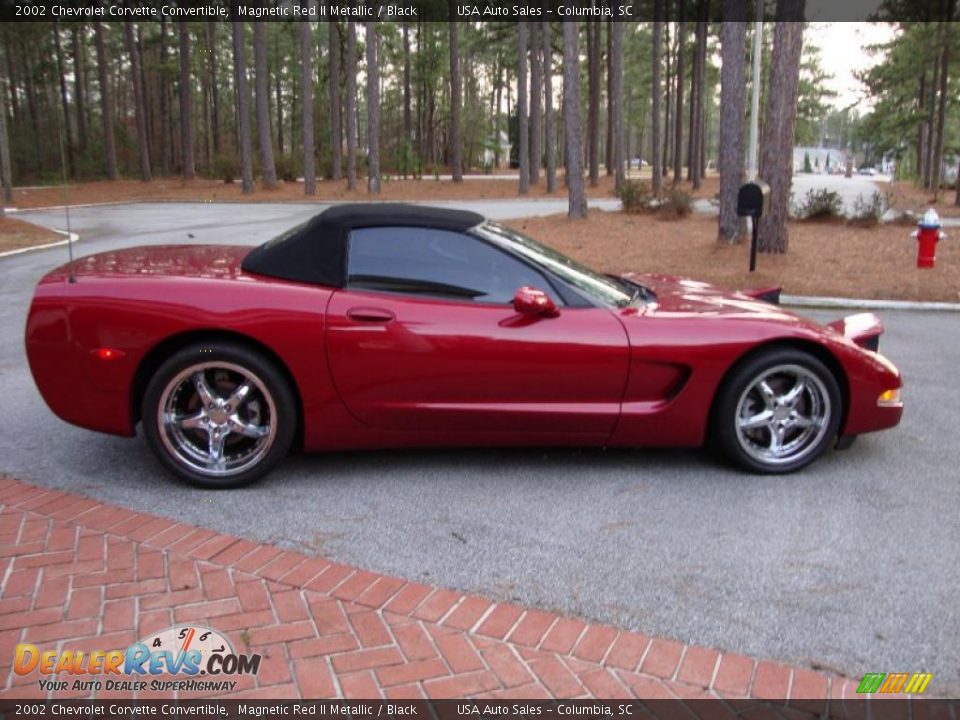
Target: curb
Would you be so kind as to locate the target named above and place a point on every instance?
(858, 304)
(76, 570)
(71, 237)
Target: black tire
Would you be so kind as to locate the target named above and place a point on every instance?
(755, 424)
(245, 439)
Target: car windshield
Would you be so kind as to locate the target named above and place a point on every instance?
(605, 289)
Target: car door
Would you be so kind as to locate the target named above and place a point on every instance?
(425, 337)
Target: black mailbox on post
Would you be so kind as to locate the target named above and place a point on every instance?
(753, 201)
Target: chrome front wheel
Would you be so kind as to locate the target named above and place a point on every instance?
(783, 414)
(778, 411)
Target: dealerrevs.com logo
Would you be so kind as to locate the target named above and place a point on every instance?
(188, 658)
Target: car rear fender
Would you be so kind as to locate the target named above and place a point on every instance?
(164, 349)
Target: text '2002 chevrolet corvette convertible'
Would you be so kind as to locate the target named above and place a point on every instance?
(375, 326)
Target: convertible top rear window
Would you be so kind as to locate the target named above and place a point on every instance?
(315, 251)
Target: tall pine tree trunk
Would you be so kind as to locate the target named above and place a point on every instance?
(456, 161)
(921, 128)
(27, 53)
(138, 29)
(244, 142)
(776, 146)
(931, 126)
(678, 112)
(336, 134)
(351, 108)
(573, 129)
(65, 103)
(609, 143)
(593, 90)
(498, 89)
(187, 166)
(668, 112)
(615, 70)
(306, 91)
(656, 153)
(522, 97)
(549, 141)
(140, 104)
(12, 80)
(697, 143)
(937, 170)
(6, 172)
(407, 103)
(732, 84)
(166, 147)
(536, 92)
(262, 82)
(214, 86)
(106, 103)
(79, 86)
(373, 111)
(278, 93)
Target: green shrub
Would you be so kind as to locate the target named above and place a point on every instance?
(635, 196)
(676, 205)
(288, 167)
(821, 205)
(807, 167)
(869, 213)
(226, 168)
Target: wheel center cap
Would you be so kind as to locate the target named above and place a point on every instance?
(218, 417)
(781, 413)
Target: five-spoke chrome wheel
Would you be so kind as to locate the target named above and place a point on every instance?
(783, 414)
(220, 415)
(778, 411)
(217, 418)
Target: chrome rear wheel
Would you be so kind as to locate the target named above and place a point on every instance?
(217, 418)
(219, 415)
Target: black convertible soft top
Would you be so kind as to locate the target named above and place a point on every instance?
(316, 251)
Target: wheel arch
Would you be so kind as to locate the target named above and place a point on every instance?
(167, 347)
(817, 350)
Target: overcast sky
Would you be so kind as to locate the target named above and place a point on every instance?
(842, 53)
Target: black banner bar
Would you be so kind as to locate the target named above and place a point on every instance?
(477, 709)
(439, 10)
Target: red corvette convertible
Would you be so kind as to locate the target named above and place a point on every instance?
(374, 326)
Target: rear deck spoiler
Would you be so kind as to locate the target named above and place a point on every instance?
(767, 294)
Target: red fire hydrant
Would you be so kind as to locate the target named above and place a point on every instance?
(928, 234)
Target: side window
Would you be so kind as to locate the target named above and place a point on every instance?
(436, 263)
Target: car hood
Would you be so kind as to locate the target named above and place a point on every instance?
(682, 296)
(208, 261)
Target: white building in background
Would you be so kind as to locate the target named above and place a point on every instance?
(822, 160)
(490, 155)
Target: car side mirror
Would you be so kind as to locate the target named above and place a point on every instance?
(533, 301)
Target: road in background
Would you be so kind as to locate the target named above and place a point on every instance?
(849, 566)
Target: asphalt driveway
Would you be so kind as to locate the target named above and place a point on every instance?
(850, 566)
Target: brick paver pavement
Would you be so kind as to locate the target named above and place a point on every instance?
(78, 574)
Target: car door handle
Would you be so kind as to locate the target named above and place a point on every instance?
(370, 315)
